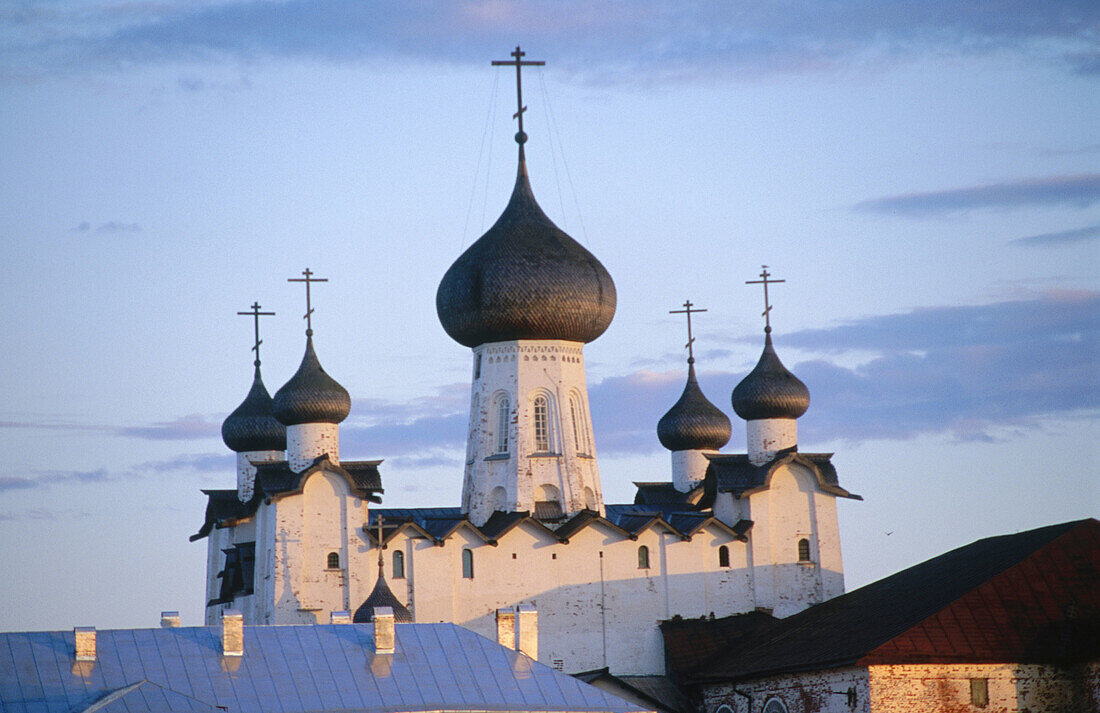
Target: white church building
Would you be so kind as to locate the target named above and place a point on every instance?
(303, 534)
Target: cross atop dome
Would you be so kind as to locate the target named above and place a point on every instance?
(687, 310)
(309, 308)
(518, 62)
(764, 275)
(255, 313)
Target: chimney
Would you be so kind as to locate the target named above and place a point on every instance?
(383, 630)
(529, 631)
(85, 643)
(169, 619)
(506, 628)
(339, 617)
(232, 633)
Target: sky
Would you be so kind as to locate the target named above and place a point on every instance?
(924, 176)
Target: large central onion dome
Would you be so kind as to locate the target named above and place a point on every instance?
(693, 423)
(252, 426)
(770, 390)
(311, 395)
(525, 279)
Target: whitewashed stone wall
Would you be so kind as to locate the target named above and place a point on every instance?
(246, 471)
(689, 468)
(520, 371)
(767, 436)
(306, 441)
(810, 692)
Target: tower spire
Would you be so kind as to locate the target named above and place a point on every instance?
(687, 310)
(764, 275)
(518, 62)
(256, 314)
(309, 278)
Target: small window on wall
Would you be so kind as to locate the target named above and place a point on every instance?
(333, 560)
(542, 425)
(803, 550)
(398, 565)
(502, 426)
(467, 564)
(643, 557)
(477, 366)
(723, 556)
(979, 692)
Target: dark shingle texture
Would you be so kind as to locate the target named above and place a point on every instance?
(311, 395)
(693, 423)
(770, 390)
(252, 426)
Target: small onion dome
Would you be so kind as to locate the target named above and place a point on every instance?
(311, 395)
(525, 279)
(381, 596)
(253, 426)
(693, 423)
(770, 391)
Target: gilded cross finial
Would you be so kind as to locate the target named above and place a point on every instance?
(687, 310)
(309, 278)
(255, 313)
(518, 63)
(764, 275)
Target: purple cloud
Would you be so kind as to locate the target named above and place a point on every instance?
(1079, 191)
(1064, 237)
(649, 39)
(191, 427)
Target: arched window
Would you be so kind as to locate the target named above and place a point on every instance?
(723, 556)
(775, 705)
(333, 560)
(803, 550)
(542, 425)
(468, 563)
(477, 366)
(398, 565)
(643, 557)
(502, 425)
(574, 414)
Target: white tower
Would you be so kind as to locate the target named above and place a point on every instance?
(526, 298)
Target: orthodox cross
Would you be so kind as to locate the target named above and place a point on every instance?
(518, 62)
(309, 308)
(764, 275)
(688, 310)
(256, 314)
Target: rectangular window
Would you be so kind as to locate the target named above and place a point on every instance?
(502, 426)
(979, 692)
(542, 426)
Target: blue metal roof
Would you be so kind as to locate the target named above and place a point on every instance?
(284, 668)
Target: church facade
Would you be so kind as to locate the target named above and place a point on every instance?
(303, 535)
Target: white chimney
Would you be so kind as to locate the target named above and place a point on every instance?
(339, 617)
(85, 643)
(384, 636)
(232, 633)
(529, 631)
(169, 619)
(506, 628)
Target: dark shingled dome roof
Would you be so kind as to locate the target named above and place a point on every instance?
(253, 426)
(311, 395)
(770, 391)
(693, 423)
(525, 279)
(381, 596)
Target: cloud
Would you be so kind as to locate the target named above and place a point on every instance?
(1064, 237)
(111, 226)
(202, 462)
(645, 39)
(42, 514)
(47, 478)
(1078, 191)
(186, 428)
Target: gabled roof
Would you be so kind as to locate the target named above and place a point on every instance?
(665, 493)
(691, 644)
(734, 473)
(1032, 597)
(276, 479)
(285, 669)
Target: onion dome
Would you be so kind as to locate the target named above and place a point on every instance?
(253, 426)
(311, 395)
(525, 279)
(381, 596)
(693, 423)
(770, 390)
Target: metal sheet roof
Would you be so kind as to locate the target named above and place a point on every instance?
(285, 668)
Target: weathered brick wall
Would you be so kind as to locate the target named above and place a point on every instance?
(1013, 688)
(813, 692)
